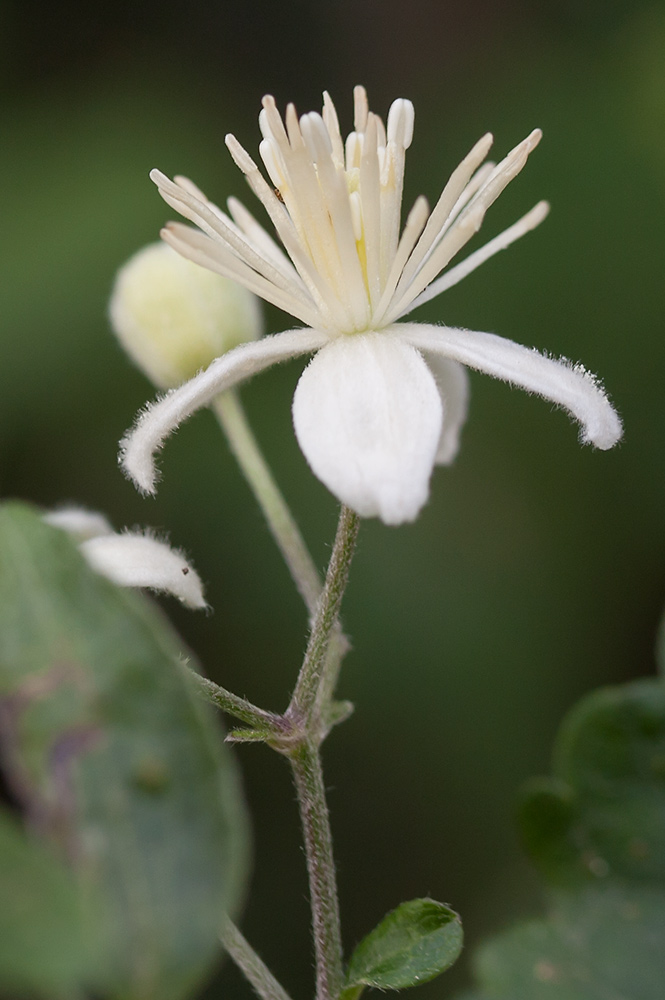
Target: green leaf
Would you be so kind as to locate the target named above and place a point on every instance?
(603, 813)
(116, 761)
(45, 947)
(412, 944)
(336, 713)
(605, 942)
(244, 734)
(596, 831)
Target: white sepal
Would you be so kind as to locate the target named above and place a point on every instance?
(161, 418)
(78, 522)
(133, 559)
(568, 385)
(367, 415)
(452, 381)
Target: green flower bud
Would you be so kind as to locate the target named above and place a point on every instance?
(174, 317)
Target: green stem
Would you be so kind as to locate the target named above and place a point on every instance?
(306, 765)
(305, 723)
(319, 668)
(234, 704)
(254, 968)
(282, 525)
(285, 531)
(307, 713)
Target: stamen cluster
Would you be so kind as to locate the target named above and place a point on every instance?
(336, 207)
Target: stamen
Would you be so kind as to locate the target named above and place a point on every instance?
(451, 243)
(451, 192)
(264, 125)
(354, 151)
(477, 181)
(474, 260)
(273, 121)
(356, 215)
(213, 255)
(331, 122)
(192, 188)
(216, 224)
(316, 137)
(401, 118)
(314, 219)
(505, 172)
(381, 138)
(360, 108)
(269, 153)
(480, 177)
(281, 150)
(261, 239)
(293, 125)
(334, 191)
(415, 222)
(371, 211)
(285, 230)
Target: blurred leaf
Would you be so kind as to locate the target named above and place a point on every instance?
(115, 760)
(596, 831)
(412, 944)
(597, 944)
(604, 812)
(43, 941)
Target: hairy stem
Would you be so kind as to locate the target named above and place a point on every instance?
(254, 968)
(233, 703)
(306, 765)
(312, 678)
(285, 531)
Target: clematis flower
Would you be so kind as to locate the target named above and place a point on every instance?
(130, 558)
(382, 401)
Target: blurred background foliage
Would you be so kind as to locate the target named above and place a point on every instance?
(537, 570)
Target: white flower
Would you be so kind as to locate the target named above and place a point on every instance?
(382, 402)
(131, 558)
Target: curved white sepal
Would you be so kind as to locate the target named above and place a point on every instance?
(78, 522)
(568, 385)
(140, 560)
(367, 415)
(452, 380)
(159, 419)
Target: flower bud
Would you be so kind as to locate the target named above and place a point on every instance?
(174, 317)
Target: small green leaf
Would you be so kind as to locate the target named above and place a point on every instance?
(116, 761)
(412, 944)
(45, 944)
(246, 735)
(338, 711)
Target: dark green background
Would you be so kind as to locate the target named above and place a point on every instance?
(536, 572)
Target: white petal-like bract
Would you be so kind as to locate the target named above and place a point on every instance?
(162, 417)
(134, 559)
(367, 415)
(452, 380)
(570, 386)
(78, 522)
